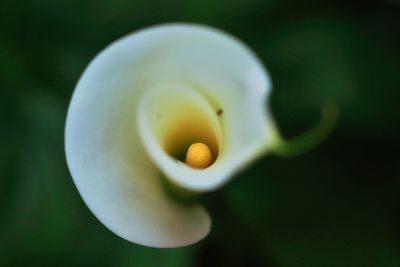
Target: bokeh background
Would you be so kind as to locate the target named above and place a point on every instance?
(336, 206)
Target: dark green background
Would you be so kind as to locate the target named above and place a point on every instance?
(337, 205)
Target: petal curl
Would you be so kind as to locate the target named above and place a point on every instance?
(233, 85)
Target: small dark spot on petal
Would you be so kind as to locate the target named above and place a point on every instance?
(219, 112)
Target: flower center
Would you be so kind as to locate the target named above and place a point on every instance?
(191, 139)
(184, 124)
(199, 156)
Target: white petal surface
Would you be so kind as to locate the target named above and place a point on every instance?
(107, 160)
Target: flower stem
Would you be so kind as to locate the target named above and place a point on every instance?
(311, 138)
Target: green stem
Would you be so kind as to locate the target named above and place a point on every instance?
(311, 138)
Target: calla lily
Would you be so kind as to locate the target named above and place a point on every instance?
(138, 107)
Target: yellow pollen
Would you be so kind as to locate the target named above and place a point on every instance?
(199, 156)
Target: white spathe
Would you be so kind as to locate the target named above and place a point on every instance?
(144, 98)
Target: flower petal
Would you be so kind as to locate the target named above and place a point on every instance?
(114, 142)
(106, 157)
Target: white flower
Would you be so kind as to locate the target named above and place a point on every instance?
(140, 103)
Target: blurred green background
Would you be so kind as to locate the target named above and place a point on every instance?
(338, 205)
